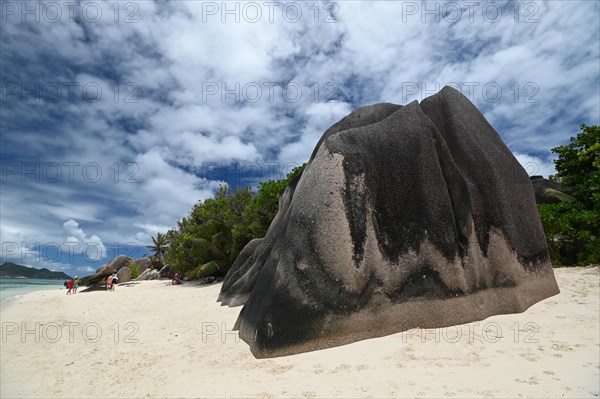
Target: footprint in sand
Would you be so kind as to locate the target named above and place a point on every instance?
(529, 356)
(281, 369)
(342, 367)
(318, 369)
(562, 347)
(265, 395)
(530, 381)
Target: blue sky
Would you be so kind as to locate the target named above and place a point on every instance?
(116, 117)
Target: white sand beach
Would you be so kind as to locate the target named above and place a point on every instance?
(150, 339)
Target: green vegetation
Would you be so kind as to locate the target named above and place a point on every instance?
(12, 270)
(573, 226)
(159, 246)
(135, 270)
(209, 239)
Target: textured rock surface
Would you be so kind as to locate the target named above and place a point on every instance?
(116, 263)
(99, 277)
(148, 275)
(414, 216)
(123, 275)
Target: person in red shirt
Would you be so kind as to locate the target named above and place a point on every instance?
(70, 286)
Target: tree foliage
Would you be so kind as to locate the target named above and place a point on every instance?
(135, 270)
(159, 246)
(573, 227)
(209, 239)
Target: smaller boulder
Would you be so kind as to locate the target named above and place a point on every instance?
(148, 275)
(124, 275)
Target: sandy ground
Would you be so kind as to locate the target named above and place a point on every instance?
(154, 340)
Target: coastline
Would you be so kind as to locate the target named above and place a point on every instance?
(150, 339)
(15, 287)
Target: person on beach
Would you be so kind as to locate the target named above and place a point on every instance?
(70, 286)
(115, 279)
(109, 282)
(75, 285)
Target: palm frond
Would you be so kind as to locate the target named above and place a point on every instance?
(550, 192)
(208, 269)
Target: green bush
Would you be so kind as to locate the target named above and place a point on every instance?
(209, 239)
(573, 227)
(572, 233)
(135, 270)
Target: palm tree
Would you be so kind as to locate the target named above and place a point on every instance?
(159, 246)
(183, 225)
(213, 250)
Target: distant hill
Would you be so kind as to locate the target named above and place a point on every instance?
(11, 270)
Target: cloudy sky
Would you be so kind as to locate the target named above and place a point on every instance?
(116, 117)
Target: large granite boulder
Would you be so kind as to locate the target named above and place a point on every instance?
(97, 278)
(405, 216)
(124, 275)
(117, 262)
(547, 192)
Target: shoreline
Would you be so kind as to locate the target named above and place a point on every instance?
(150, 339)
(9, 295)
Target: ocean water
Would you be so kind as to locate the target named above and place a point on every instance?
(15, 287)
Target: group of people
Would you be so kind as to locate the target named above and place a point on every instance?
(72, 285)
(111, 281)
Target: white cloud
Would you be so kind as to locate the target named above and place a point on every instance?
(166, 193)
(150, 230)
(320, 117)
(535, 165)
(92, 247)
